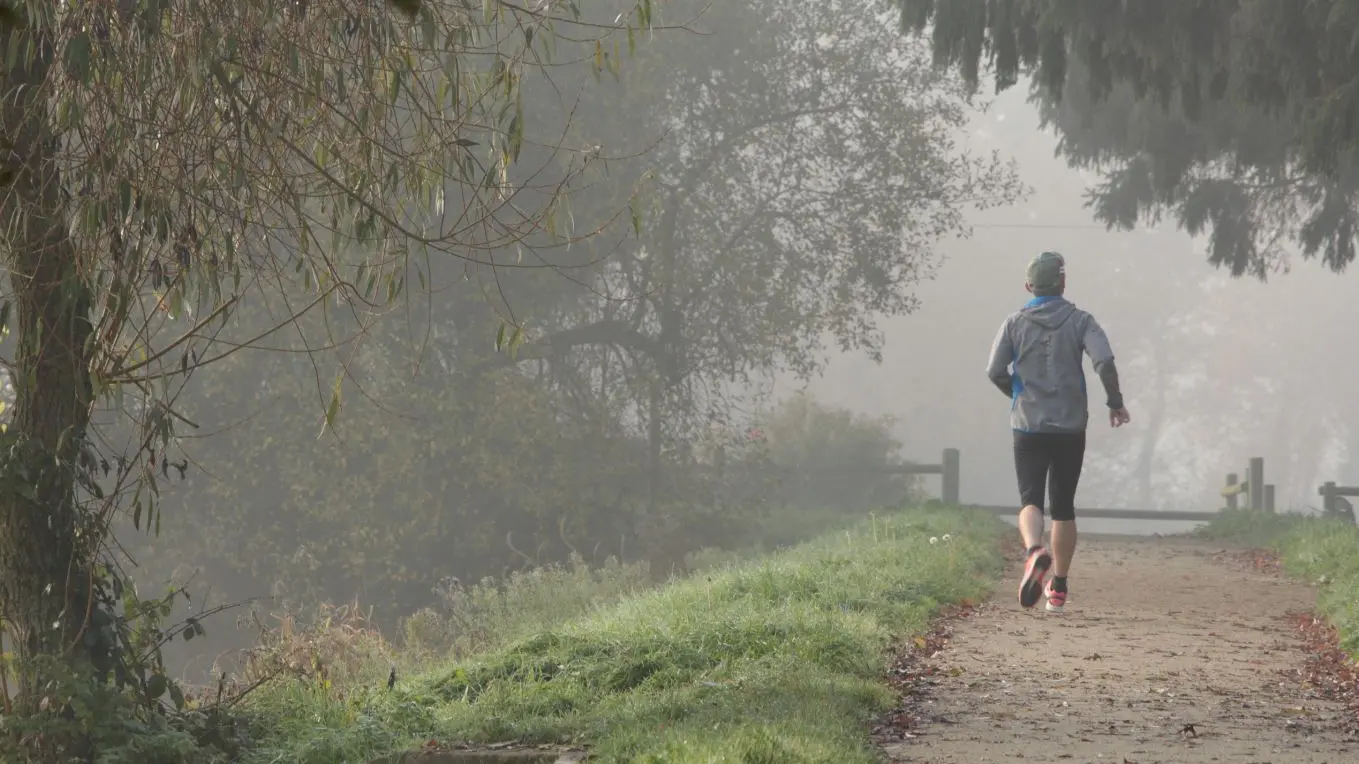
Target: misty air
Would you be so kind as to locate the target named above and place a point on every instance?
(683, 381)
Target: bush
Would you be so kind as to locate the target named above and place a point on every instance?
(834, 458)
(493, 478)
(491, 613)
(340, 646)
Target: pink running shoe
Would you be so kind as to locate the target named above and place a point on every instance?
(1035, 570)
(1056, 599)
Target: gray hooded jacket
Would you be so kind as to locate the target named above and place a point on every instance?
(1036, 360)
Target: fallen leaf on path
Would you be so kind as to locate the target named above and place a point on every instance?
(912, 674)
(1327, 671)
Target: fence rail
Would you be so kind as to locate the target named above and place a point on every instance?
(1334, 502)
(1250, 492)
(1113, 514)
(950, 467)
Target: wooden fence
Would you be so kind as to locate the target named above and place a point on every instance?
(1259, 494)
(947, 469)
(950, 468)
(1251, 493)
(1334, 502)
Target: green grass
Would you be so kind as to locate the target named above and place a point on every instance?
(777, 659)
(491, 613)
(1243, 526)
(1321, 551)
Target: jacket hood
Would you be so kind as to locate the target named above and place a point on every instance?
(1048, 312)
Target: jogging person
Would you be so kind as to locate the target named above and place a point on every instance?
(1048, 413)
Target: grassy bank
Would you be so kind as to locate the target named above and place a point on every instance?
(1325, 552)
(776, 659)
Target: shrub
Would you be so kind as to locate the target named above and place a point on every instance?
(491, 613)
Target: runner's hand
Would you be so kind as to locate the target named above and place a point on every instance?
(1118, 417)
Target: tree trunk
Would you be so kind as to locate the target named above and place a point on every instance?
(44, 561)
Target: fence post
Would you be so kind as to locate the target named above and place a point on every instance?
(1232, 480)
(1328, 501)
(1256, 483)
(1269, 497)
(951, 477)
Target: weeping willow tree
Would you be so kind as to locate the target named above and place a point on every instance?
(165, 160)
(1238, 119)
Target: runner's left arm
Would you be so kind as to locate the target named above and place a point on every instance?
(1002, 353)
(1096, 345)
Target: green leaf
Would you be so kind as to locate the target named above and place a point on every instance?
(333, 410)
(428, 30)
(516, 137)
(79, 52)
(177, 696)
(12, 50)
(511, 343)
(124, 198)
(499, 73)
(156, 686)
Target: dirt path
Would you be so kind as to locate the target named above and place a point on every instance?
(1157, 635)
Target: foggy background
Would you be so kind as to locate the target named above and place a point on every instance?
(453, 465)
(1214, 369)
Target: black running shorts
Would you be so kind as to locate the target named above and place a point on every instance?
(1049, 462)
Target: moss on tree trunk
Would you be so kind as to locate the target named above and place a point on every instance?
(44, 559)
